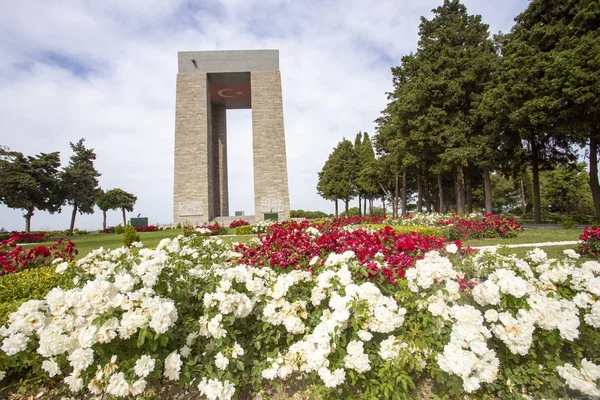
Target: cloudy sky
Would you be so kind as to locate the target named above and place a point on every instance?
(106, 70)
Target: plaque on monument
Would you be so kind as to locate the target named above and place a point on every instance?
(188, 209)
(271, 204)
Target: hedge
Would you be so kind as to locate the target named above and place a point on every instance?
(29, 284)
(244, 230)
(423, 230)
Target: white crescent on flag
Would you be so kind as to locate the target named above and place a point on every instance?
(222, 93)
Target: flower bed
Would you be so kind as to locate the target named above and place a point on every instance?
(191, 312)
(146, 228)
(14, 258)
(303, 245)
(473, 226)
(590, 241)
(239, 222)
(207, 230)
(24, 237)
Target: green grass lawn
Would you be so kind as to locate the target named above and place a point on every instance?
(531, 235)
(86, 243)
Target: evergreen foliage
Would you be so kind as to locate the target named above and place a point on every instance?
(80, 181)
(30, 183)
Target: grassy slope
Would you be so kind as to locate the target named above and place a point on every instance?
(86, 243)
(531, 235)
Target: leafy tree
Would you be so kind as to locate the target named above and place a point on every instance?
(455, 60)
(367, 176)
(118, 198)
(527, 94)
(30, 183)
(80, 181)
(429, 125)
(337, 179)
(567, 35)
(103, 204)
(566, 189)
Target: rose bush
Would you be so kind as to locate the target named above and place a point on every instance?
(15, 258)
(590, 241)
(189, 311)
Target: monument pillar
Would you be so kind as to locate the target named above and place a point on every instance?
(219, 125)
(191, 156)
(268, 142)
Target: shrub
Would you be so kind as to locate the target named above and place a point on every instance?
(146, 228)
(14, 258)
(29, 285)
(244, 230)
(110, 229)
(422, 230)
(24, 237)
(590, 239)
(207, 230)
(130, 236)
(178, 226)
(119, 229)
(239, 222)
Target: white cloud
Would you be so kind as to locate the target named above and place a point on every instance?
(106, 71)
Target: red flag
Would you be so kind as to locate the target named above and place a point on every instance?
(232, 92)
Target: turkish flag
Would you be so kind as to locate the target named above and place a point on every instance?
(232, 92)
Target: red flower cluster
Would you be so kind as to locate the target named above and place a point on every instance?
(591, 241)
(24, 237)
(239, 222)
(15, 258)
(289, 245)
(146, 228)
(489, 227)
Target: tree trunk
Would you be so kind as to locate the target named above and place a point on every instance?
(427, 195)
(73, 215)
(336, 209)
(535, 175)
(383, 204)
(487, 190)
(404, 194)
(347, 202)
(124, 219)
(469, 192)
(419, 192)
(371, 207)
(27, 217)
(365, 207)
(594, 184)
(395, 205)
(460, 191)
(440, 193)
(103, 219)
(359, 206)
(523, 200)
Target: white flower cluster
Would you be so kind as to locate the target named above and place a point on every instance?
(68, 323)
(467, 355)
(364, 302)
(216, 390)
(433, 268)
(584, 379)
(261, 226)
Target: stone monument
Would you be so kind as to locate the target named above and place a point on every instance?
(209, 83)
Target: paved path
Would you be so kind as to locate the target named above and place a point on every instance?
(545, 244)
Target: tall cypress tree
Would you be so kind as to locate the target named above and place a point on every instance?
(80, 181)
